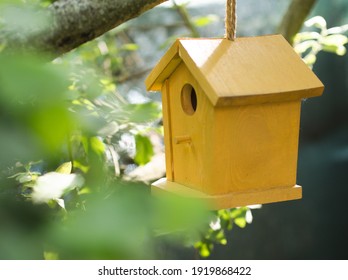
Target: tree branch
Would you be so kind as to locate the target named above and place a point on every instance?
(294, 18)
(75, 22)
(182, 11)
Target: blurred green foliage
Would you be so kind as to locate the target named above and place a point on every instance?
(63, 128)
(59, 198)
(309, 43)
(224, 220)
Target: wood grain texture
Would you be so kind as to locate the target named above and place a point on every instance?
(255, 147)
(231, 200)
(191, 160)
(167, 127)
(164, 68)
(246, 71)
(182, 139)
(228, 149)
(231, 114)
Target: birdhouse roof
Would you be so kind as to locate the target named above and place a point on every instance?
(247, 70)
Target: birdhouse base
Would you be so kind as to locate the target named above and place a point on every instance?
(230, 200)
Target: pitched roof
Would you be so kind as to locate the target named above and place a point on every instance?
(247, 70)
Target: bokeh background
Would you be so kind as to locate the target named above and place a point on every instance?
(315, 227)
(110, 133)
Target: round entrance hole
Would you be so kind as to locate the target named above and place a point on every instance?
(189, 99)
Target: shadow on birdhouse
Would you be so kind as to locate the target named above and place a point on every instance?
(231, 114)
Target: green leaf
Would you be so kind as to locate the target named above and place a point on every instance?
(304, 46)
(25, 178)
(220, 237)
(65, 168)
(205, 20)
(204, 249)
(239, 212)
(82, 167)
(130, 47)
(108, 85)
(338, 29)
(304, 36)
(144, 149)
(339, 50)
(97, 145)
(310, 59)
(334, 40)
(241, 222)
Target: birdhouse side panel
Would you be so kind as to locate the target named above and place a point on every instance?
(191, 117)
(255, 147)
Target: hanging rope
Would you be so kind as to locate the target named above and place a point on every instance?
(231, 20)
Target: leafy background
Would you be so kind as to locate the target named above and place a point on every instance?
(81, 140)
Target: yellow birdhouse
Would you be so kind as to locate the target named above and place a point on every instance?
(231, 115)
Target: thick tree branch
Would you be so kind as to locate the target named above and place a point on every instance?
(294, 18)
(75, 22)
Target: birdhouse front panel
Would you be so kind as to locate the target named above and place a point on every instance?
(191, 130)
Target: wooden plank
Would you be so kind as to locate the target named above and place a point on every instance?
(163, 69)
(167, 131)
(182, 139)
(246, 71)
(230, 200)
(192, 159)
(255, 147)
(265, 67)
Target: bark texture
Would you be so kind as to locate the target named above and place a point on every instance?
(294, 18)
(74, 22)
